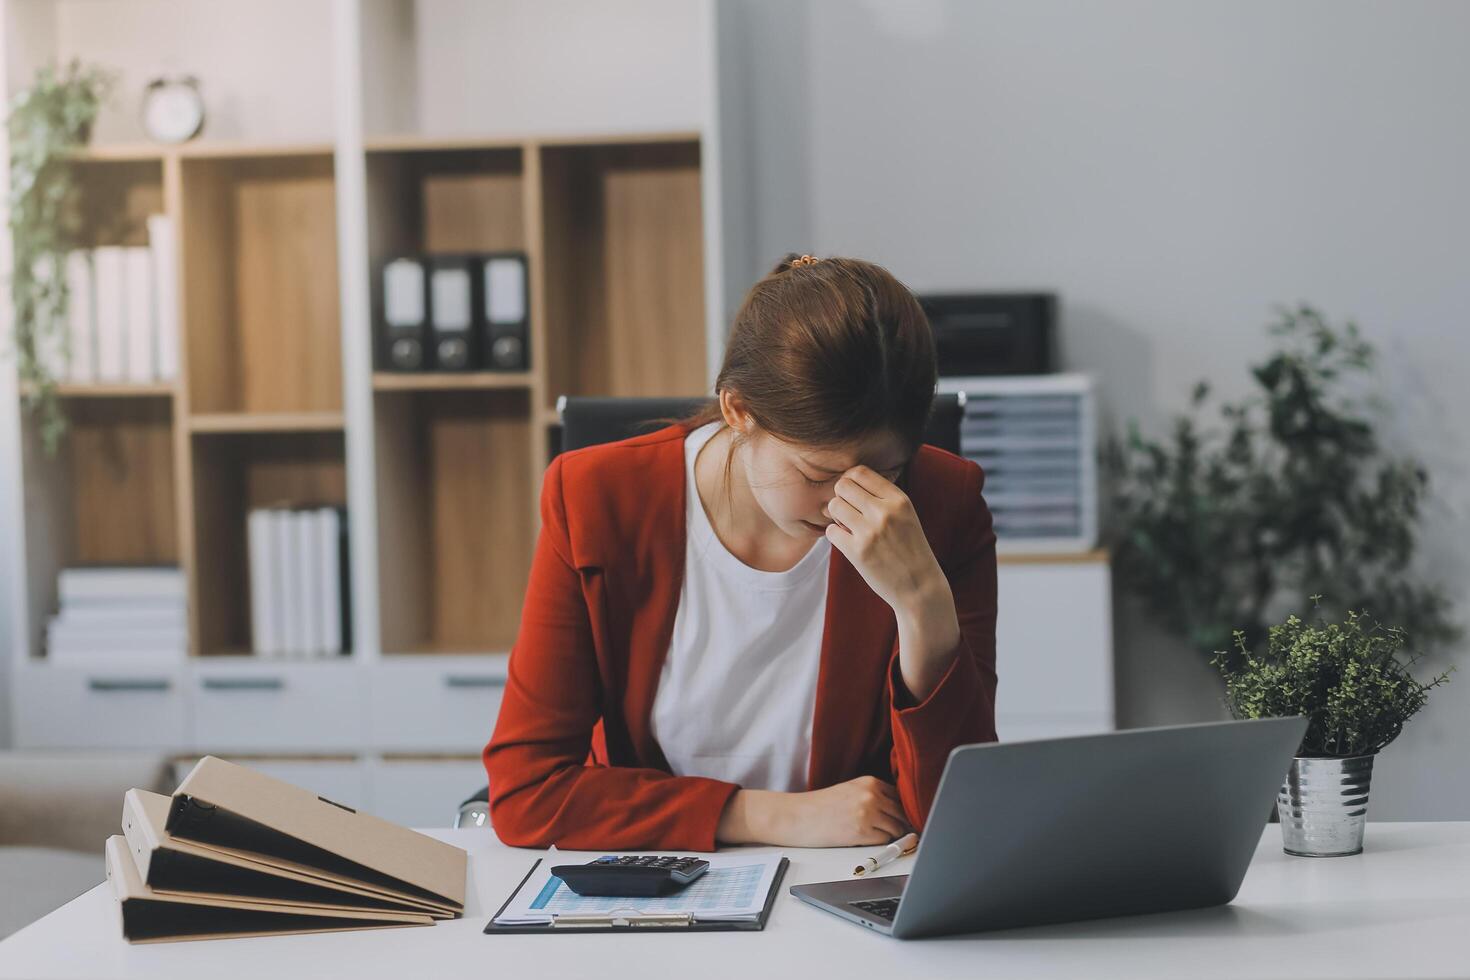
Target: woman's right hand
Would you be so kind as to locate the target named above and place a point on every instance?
(865, 810)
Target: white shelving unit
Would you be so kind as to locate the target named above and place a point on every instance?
(356, 88)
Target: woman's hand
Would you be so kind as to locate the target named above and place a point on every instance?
(865, 810)
(878, 531)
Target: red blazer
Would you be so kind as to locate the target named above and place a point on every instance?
(572, 761)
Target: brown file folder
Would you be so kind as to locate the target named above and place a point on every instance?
(239, 811)
(169, 865)
(149, 916)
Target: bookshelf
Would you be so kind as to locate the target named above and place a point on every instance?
(323, 152)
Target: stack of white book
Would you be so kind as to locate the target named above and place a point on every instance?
(298, 581)
(122, 315)
(119, 613)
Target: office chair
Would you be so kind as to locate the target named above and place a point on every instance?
(593, 421)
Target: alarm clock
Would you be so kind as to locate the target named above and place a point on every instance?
(173, 109)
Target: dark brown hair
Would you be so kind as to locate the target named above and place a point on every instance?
(828, 352)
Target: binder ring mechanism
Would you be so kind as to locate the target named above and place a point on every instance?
(629, 917)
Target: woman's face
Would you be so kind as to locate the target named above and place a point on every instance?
(793, 484)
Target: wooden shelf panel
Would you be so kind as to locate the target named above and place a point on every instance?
(416, 143)
(623, 269)
(454, 542)
(227, 422)
(158, 389)
(205, 150)
(108, 496)
(259, 267)
(450, 380)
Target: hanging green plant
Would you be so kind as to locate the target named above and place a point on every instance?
(46, 122)
(1290, 495)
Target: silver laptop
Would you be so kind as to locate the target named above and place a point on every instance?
(1058, 830)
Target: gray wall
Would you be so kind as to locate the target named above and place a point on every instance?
(1173, 170)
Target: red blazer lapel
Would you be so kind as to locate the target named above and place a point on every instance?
(857, 642)
(649, 599)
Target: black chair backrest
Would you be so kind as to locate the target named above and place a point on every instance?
(593, 421)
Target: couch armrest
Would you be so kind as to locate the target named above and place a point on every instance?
(71, 800)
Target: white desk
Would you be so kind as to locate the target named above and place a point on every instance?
(1400, 909)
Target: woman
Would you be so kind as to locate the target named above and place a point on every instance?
(769, 623)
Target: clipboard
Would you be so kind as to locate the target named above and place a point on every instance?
(650, 923)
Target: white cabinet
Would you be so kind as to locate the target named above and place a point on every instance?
(423, 792)
(249, 705)
(119, 708)
(436, 704)
(1054, 648)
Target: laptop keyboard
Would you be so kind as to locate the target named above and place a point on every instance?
(883, 908)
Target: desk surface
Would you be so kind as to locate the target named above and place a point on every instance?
(1402, 909)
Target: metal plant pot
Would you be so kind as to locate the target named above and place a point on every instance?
(1324, 806)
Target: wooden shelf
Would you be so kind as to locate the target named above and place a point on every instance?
(158, 389)
(120, 152)
(266, 422)
(450, 380)
(611, 225)
(414, 143)
(205, 150)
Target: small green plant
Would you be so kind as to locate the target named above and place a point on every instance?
(1289, 494)
(1346, 678)
(45, 122)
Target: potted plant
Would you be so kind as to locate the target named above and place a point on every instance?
(1350, 682)
(45, 123)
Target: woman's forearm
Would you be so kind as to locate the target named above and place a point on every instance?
(928, 636)
(748, 817)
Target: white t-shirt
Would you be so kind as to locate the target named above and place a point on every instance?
(739, 685)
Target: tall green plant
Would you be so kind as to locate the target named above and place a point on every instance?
(45, 123)
(1287, 495)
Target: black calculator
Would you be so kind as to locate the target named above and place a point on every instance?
(631, 876)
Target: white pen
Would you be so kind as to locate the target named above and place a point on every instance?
(906, 844)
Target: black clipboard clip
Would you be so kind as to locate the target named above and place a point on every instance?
(644, 920)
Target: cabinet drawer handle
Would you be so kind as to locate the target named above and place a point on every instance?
(472, 680)
(112, 684)
(243, 683)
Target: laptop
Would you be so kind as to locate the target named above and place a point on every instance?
(1086, 827)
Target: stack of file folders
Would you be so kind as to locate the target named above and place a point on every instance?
(237, 853)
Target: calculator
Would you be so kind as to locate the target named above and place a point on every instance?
(631, 876)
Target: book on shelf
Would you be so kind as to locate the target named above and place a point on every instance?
(105, 583)
(123, 312)
(298, 581)
(113, 613)
(112, 312)
(81, 326)
(139, 322)
(165, 296)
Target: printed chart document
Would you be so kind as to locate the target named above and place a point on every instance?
(734, 889)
